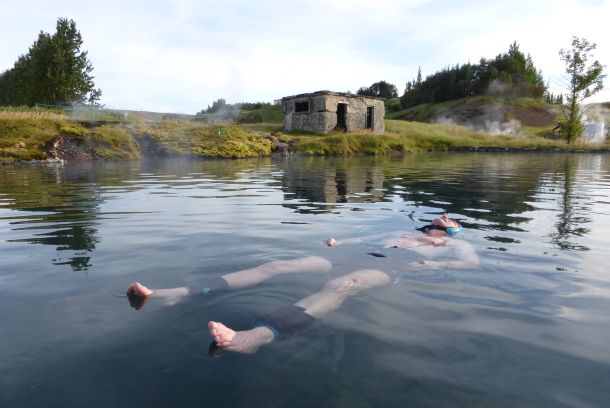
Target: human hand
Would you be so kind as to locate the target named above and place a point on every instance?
(331, 242)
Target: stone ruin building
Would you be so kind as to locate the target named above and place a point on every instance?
(324, 111)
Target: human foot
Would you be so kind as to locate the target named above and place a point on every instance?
(138, 289)
(138, 294)
(247, 341)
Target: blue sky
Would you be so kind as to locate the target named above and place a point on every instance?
(180, 55)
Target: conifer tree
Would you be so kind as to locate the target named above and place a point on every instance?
(55, 70)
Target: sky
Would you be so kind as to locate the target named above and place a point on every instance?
(181, 55)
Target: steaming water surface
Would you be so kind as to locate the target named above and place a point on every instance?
(528, 327)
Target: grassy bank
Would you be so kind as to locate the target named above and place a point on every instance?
(35, 136)
(189, 138)
(425, 136)
(402, 136)
(32, 136)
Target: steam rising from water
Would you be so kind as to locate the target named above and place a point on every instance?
(492, 127)
(485, 118)
(595, 120)
(226, 114)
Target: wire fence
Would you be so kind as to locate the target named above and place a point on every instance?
(96, 113)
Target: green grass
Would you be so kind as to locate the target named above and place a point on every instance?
(264, 114)
(426, 111)
(25, 112)
(24, 139)
(25, 134)
(188, 138)
(113, 142)
(27, 139)
(402, 136)
(424, 136)
(262, 127)
(340, 143)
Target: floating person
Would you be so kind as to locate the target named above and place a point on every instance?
(436, 242)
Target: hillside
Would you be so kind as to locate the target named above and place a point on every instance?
(496, 116)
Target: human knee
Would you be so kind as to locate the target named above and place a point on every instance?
(340, 284)
(372, 277)
(320, 263)
(358, 280)
(349, 283)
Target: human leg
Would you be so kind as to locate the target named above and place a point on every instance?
(258, 274)
(138, 293)
(336, 291)
(285, 321)
(246, 341)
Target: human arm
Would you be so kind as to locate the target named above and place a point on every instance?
(431, 264)
(332, 242)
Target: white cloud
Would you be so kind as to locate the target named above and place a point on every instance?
(180, 55)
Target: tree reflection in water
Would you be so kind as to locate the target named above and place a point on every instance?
(496, 190)
(572, 213)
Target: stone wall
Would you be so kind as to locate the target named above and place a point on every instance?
(315, 121)
(322, 113)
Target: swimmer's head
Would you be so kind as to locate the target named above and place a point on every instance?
(441, 225)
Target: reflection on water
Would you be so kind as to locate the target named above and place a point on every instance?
(60, 205)
(572, 218)
(527, 328)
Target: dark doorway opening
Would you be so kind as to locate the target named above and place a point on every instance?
(369, 117)
(342, 116)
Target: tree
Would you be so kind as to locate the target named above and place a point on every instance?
(381, 89)
(510, 74)
(55, 70)
(217, 106)
(583, 80)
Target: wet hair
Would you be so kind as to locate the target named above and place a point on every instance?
(429, 227)
(448, 230)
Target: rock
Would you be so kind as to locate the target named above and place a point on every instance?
(55, 160)
(273, 139)
(282, 148)
(67, 149)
